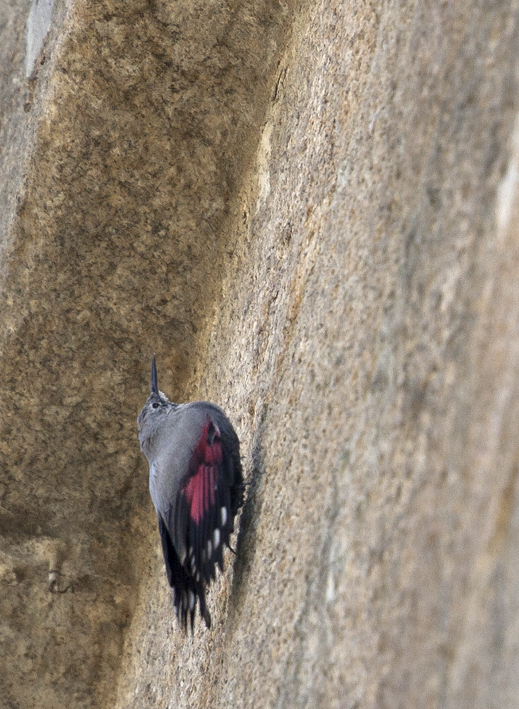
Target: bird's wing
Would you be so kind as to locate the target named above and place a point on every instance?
(186, 590)
(202, 518)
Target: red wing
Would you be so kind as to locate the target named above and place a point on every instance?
(206, 495)
(200, 488)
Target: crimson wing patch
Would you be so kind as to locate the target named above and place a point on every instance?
(206, 499)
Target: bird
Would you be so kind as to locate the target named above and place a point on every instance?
(197, 488)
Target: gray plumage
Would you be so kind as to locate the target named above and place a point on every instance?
(196, 485)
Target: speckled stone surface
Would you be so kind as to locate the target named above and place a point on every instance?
(310, 215)
(144, 117)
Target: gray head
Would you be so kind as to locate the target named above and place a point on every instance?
(154, 410)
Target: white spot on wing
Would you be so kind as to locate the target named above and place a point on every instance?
(223, 513)
(191, 600)
(216, 538)
(209, 549)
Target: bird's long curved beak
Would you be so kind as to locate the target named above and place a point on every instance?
(154, 385)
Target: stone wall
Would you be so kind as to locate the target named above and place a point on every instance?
(309, 213)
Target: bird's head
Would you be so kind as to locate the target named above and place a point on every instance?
(154, 410)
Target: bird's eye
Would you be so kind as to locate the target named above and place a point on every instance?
(155, 405)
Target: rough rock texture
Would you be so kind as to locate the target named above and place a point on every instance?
(310, 214)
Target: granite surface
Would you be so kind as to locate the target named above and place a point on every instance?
(310, 214)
